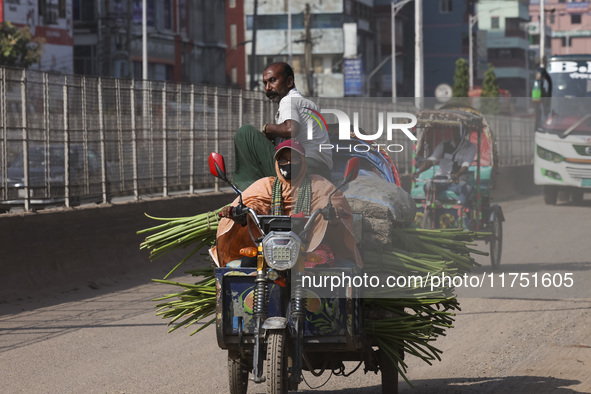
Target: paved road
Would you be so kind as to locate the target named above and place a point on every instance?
(105, 338)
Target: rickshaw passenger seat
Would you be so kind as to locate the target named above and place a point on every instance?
(485, 179)
(447, 195)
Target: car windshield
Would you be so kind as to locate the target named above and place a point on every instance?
(38, 158)
(570, 78)
(571, 97)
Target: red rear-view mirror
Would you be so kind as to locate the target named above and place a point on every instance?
(217, 166)
(351, 171)
(218, 169)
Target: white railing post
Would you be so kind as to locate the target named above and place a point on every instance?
(192, 139)
(136, 193)
(164, 145)
(102, 141)
(66, 142)
(25, 140)
(4, 164)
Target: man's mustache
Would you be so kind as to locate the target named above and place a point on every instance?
(271, 94)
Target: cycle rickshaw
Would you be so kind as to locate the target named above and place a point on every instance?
(441, 209)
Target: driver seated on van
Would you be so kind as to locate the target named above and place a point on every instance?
(291, 192)
(454, 157)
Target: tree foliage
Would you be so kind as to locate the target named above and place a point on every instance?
(461, 80)
(18, 48)
(490, 92)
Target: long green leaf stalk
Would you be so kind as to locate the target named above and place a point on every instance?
(409, 323)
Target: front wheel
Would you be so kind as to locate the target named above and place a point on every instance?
(277, 378)
(238, 374)
(550, 195)
(496, 240)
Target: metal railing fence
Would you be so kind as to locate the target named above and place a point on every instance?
(113, 137)
(67, 138)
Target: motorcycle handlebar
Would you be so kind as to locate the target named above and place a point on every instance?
(253, 215)
(311, 221)
(442, 180)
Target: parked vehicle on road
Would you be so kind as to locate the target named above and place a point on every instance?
(46, 178)
(562, 160)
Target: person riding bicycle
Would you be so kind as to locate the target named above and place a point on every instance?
(291, 192)
(454, 157)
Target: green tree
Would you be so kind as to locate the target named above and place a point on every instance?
(18, 48)
(461, 80)
(490, 92)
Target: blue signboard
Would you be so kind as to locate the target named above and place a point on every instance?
(577, 7)
(353, 77)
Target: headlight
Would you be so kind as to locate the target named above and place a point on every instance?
(549, 155)
(281, 250)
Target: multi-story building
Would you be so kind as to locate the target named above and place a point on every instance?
(186, 39)
(445, 37)
(381, 84)
(507, 41)
(51, 20)
(337, 29)
(570, 25)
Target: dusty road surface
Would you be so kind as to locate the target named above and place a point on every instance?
(105, 338)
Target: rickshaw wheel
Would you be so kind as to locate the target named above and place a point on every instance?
(238, 374)
(496, 240)
(277, 379)
(428, 219)
(389, 374)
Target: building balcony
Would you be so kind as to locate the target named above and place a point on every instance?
(511, 72)
(516, 33)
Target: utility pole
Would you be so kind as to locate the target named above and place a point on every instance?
(107, 46)
(253, 52)
(543, 34)
(289, 44)
(419, 69)
(472, 19)
(394, 10)
(308, 53)
(144, 41)
(128, 38)
(99, 44)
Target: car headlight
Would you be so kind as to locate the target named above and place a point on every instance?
(549, 155)
(281, 250)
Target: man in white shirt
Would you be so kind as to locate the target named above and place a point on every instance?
(254, 149)
(454, 157)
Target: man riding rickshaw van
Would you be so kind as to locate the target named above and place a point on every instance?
(291, 192)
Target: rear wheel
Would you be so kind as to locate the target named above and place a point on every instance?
(550, 195)
(277, 379)
(238, 374)
(496, 240)
(389, 374)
